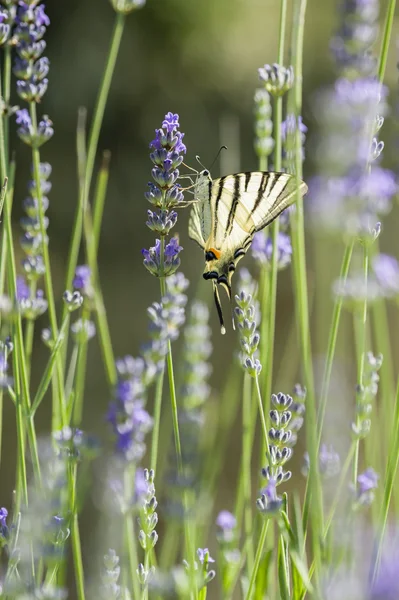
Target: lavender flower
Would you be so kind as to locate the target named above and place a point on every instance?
(367, 482)
(127, 6)
(27, 132)
(4, 532)
(249, 337)
(82, 330)
(227, 537)
(32, 69)
(226, 521)
(329, 462)
(386, 584)
(167, 155)
(264, 143)
(262, 249)
(269, 503)
(148, 516)
(366, 393)
(289, 128)
(204, 558)
(277, 79)
(110, 587)
(348, 197)
(386, 270)
(357, 33)
(171, 260)
(32, 240)
(127, 415)
(82, 280)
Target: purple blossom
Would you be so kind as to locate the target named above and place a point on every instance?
(226, 520)
(152, 258)
(204, 556)
(386, 584)
(329, 462)
(167, 150)
(386, 270)
(367, 481)
(262, 249)
(3, 516)
(82, 279)
(23, 291)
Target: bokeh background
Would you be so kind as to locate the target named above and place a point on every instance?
(198, 59)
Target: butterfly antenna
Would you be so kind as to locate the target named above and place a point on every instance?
(217, 155)
(219, 308)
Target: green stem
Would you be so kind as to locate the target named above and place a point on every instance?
(390, 475)
(80, 380)
(129, 479)
(247, 471)
(389, 20)
(75, 535)
(93, 144)
(19, 362)
(29, 333)
(258, 556)
(157, 419)
(59, 410)
(301, 298)
(360, 331)
(332, 340)
(272, 293)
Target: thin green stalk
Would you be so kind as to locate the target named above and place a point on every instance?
(272, 294)
(93, 144)
(7, 94)
(29, 333)
(389, 20)
(332, 340)
(80, 378)
(20, 373)
(301, 298)
(360, 333)
(390, 474)
(99, 199)
(247, 471)
(130, 534)
(59, 410)
(75, 535)
(157, 419)
(258, 556)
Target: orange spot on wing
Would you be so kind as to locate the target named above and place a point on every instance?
(217, 253)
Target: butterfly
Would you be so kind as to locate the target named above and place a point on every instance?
(226, 214)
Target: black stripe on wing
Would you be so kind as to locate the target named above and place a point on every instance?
(236, 200)
(218, 197)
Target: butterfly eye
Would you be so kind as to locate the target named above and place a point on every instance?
(205, 173)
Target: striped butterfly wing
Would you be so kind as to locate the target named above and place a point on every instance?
(245, 203)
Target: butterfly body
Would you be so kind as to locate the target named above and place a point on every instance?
(227, 214)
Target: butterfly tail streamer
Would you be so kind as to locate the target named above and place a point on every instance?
(219, 308)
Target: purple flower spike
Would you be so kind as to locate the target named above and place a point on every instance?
(203, 555)
(3, 516)
(226, 521)
(167, 149)
(386, 269)
(367, 481)
(262, 249)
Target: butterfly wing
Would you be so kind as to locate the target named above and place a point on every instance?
(250, 201)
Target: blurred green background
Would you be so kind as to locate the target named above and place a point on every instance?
(198, 59)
